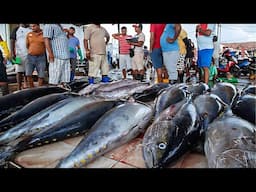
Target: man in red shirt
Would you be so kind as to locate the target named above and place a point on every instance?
(156, 31)
(124, 57)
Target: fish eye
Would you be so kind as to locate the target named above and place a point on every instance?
(162, 146)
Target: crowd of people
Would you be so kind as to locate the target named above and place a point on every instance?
(53, 51)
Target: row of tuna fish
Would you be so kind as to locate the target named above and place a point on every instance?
(229, 138)
(173, 118)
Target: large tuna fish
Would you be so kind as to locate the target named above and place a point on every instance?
(115, 128)
(102, 87)
(168, 97)
(227, 92)
(121, 92)
(31, 108)
(231, 143)
(245, 108)
(45, 118)
(150, 93)
(15, 101)
(116, 85)
(75, 124)
(167, 139)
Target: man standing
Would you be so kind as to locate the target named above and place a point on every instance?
(96, 37)
(170, 48)
(36, 55)
(74, 49)
(56, 43)
(19, 50)
(155, 50)
(125, 59)
(138, 58)
(205, 48)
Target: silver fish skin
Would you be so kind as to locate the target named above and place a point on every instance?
(15, 101)
(171, 95)
(31, 108)
(227, 92)
(208, 107)
(117, 84)
(122, 92)
(45, 118)
(230, 143)
(246, 108)
(115, 128)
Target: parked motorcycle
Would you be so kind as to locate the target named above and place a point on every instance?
(228, 63)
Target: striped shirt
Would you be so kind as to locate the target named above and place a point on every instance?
(124, 45)
(59, 40)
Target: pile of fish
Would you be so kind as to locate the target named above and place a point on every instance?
(173, 118)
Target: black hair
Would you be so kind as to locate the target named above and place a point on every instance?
(123, 28)
(72, 28)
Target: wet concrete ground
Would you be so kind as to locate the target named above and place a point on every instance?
(125, 156)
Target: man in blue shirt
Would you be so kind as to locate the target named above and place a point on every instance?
(74, 49)
(170, 48)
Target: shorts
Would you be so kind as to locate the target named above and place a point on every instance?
(157, 58)
(204, 58)
(137, 61)
(125, 61)
(38, 62)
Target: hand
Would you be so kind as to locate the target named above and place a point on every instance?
(88, 55)
(170, 40)
(51, 58)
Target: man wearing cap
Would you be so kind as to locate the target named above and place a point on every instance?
(137, 60)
